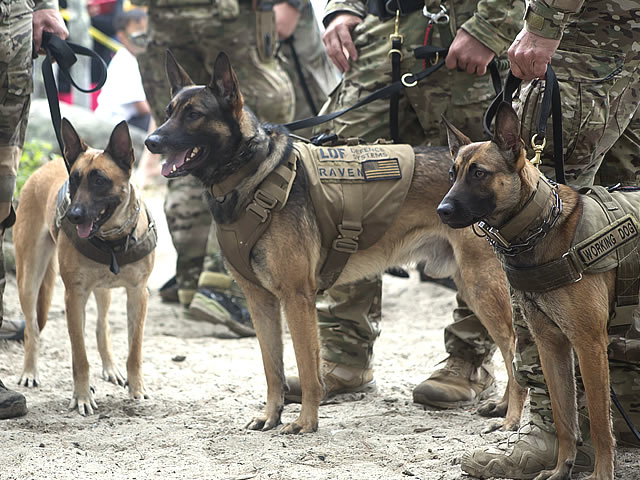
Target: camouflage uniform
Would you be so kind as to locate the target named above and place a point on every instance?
(600, 91)
(195, 32)
(348, 337)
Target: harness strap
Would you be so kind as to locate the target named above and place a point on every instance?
(238, 238)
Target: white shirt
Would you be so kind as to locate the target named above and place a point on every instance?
(122, 89)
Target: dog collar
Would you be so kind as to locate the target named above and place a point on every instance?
(226, 186)
(502, 239)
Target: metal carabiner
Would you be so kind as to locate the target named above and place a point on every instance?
(439, 17)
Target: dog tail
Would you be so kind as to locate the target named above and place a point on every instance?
(46, 293)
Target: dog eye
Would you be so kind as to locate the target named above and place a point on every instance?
(479, 173)
(452, 175)
(192, 115)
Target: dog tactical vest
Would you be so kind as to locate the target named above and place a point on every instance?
(356, 191)
(607, 237)
(122, 251)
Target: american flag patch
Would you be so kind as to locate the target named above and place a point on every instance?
(383, 169)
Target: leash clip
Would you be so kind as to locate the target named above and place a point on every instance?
(441, 17)
(396, 36)
(537, 148)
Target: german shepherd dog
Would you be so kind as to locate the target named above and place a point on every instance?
(103, 203)
(209, 133)
(493, 181)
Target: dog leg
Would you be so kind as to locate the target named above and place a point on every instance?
(594, 366)
(300, 311)
(137, 299)
(75, 300)
(36, 278)
(556, 357)
(265, 313)
(110, 371)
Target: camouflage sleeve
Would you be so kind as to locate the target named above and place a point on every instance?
(45, 4)
(354, 7)
(496, 23)
(548, 18)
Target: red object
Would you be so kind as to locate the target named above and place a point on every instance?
(66, 97)
(94, 97)
(101, 7)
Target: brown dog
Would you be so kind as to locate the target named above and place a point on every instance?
(209, 134)
(104, 211)
(494, 183)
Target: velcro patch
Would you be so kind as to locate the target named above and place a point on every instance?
(608, 240)
(384, 169)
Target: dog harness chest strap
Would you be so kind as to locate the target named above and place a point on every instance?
(238, 238)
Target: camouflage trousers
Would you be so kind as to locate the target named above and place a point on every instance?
(16, 85)
(196, 36)
(601, 131)
(349, 337)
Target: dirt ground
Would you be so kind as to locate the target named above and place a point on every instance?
(193, 425)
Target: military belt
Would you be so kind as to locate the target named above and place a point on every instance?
(386, 9)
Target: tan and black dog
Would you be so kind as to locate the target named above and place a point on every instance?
(104, 220)
(211, 135)
(555, 265)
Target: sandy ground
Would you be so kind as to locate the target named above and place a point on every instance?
(193, 425)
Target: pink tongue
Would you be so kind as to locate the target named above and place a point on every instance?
(84, 229)
(176, 159)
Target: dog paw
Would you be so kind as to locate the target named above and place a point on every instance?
(563, 473)
(263, 423)
(296, 428)
(491, 408)
(113, 375)
(139, 394)
(29, 379)
(84, 402)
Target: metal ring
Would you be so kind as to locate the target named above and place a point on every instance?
(533, 142)
(406, 83)
(395, 50)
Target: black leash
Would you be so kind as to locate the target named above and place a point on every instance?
(298, 66)
(64, 53)
(551, 106)
(408, 80)
(618, 405)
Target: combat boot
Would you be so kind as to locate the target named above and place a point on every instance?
(337, 379)
(11, 329)
(169, 291)
(523, 456)
(12, 404)
(458, 384)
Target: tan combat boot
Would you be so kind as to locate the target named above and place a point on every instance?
(458, 384)
(337, 379)
(525, 454)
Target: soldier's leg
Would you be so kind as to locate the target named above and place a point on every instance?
(16, 86)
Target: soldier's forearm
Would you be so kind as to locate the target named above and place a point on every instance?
(335, 7)
(548, 18)
(496, 23)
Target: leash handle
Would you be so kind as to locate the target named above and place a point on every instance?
(551, 105)
(64, 53)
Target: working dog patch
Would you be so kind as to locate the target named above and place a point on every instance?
(606, 241)
(357, 163)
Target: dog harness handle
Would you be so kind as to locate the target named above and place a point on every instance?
(64, 53)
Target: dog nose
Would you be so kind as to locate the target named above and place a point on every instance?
(76, 214)
(445, 210)
(154, 143)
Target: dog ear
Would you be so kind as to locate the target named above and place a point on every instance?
(73, 144)
(224, 84)
(507, 132)
(120, 147)
(455, 137)
(178, 78)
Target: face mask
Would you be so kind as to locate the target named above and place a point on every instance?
(139, 39)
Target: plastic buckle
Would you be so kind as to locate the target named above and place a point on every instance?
(345, 245)
(260, 211)
(264, 199)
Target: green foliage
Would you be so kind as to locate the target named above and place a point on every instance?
(34, 154)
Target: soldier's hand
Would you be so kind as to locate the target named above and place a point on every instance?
(50, 20)
(468, 54)
(338, 42)
(286, 19)
(530, 54)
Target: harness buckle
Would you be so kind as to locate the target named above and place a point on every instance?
(259, 211)
(493, 233)
(264, 199)
(570, 258)
(441, 17)
(345, 245)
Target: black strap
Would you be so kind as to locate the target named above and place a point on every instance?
(551, 105)
(63, 53)
(382, 93)
(624, 414)
(386, 9)
(302, 81)
(394, 99)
